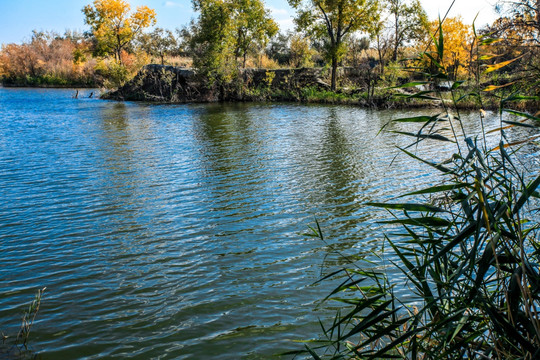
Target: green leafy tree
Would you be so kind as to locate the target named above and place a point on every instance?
(114, 27)
(332, 21)
(227, 30)
(409, 23)
(301, 52)
(211, 37)
(159, 43)
(253, 27)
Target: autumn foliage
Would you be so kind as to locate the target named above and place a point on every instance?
(114, 27)
(104, 56)
(47, 59)
(458, 43)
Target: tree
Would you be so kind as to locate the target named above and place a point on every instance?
(227, 30)
(525, 15)
(511, 42)
(356, 46)
(158, 43)
(278, 49)
(114, 27)
(382, 42)
(210, 37)
(409, 22)
(458, 42)
(74, 36)
(253, 27)
(332, 21)
(518, 41)
(301, 52)
(184, 38)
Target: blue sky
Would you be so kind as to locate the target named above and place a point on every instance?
(20, 17)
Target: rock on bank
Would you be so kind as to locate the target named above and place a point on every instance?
(161, 83)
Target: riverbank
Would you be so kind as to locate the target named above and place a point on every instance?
(50, 86)
(48, 81)
(168, 84)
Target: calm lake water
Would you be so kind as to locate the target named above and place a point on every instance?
(176, 231)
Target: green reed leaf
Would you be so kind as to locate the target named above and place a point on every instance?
(517, 123)
(417, 119)
(529, 190)
(437, 189)
(521, 114)
(421, 221)
(407, 207)
(424, 136)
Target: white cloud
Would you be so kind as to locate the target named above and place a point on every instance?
(285, 24)
(172, 4)
(283, 17)
(279, 13)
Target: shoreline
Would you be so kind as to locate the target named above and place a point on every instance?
(45, 86)
(377, 103)
(176, 85)
(161, 84)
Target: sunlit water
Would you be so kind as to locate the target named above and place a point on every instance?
(177, 231)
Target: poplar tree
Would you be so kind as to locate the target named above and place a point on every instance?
(409, 22)
(226, 31)
(158, 43)
(332, 20)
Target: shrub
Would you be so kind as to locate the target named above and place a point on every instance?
(113, 74)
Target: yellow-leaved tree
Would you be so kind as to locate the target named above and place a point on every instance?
(114, 27)
(458, 45)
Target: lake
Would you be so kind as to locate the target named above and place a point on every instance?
(178, 231)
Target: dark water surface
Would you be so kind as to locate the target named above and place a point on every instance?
(175, 231)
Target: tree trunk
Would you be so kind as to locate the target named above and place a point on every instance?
(394, 55)
(118, 55)
(118, 49)
(396, 45)
(396, 31)
(162, 59)
(334, 73)
(381, 56)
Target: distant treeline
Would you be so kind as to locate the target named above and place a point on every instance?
(48, 59)
(73, 59)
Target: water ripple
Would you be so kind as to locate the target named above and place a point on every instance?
(176, 231)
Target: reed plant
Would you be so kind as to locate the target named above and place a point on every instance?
(19, 348)
(468, 246)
